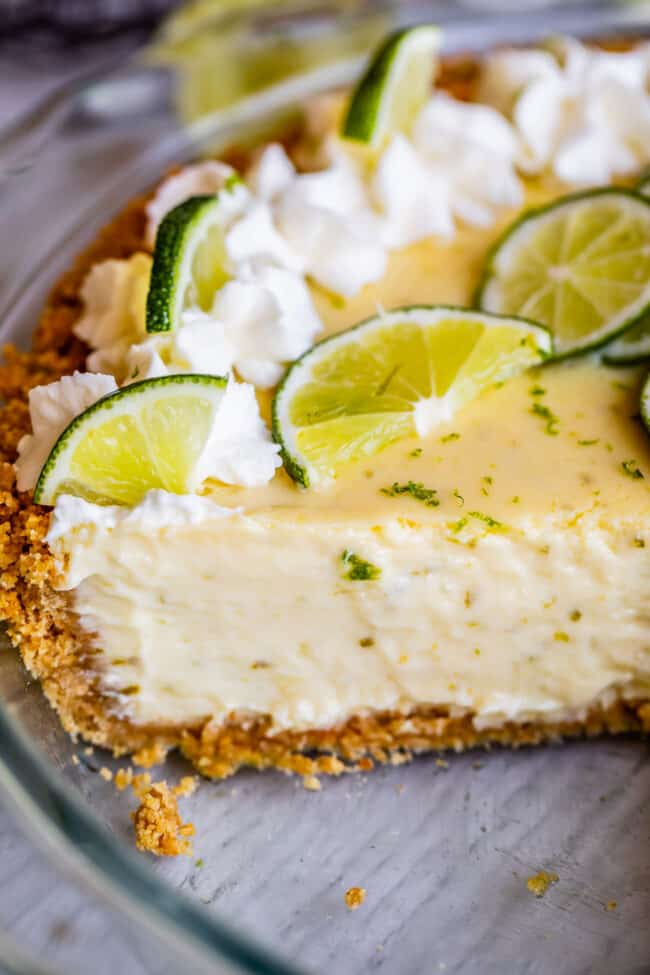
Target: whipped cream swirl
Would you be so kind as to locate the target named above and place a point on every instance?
(581, 112)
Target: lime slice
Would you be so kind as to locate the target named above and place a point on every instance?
(147, 435)
(580, 266)
(189, 260)
(394, 87)
(393, 376)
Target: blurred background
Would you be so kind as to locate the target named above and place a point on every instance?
(46, 42)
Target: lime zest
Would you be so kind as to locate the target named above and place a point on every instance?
(631, 468)
(414, 489)
(359, 570)
(487, 520)
(552, 420)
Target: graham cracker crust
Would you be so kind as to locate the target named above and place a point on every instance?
(41, 624)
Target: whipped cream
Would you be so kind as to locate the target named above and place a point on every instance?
(323, 219)
(580, 112)
(341, 221)
(52, 408)
(114, 294)
(239, 449)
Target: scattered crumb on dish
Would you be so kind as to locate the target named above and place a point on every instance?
(539, 883)
(123, 778)
(311, 783)
(158, 826)
(354, 897)
(150, 755)
(187, 786)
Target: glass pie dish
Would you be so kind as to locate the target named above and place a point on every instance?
(443, 848)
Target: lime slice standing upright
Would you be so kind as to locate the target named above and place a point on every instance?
(147, 435)
(580, 266)
(394, 87)
(393, 376)
(189, 260)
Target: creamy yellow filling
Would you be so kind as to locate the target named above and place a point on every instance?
(264, 614)
(521, 593)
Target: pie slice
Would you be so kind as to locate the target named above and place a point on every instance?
(485, 579)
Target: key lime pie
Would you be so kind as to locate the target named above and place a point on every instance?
(342, 456)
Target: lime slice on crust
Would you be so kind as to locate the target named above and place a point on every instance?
(396, 375)
(394, 87)
(580, 266)
(189, 260)
(147, 435)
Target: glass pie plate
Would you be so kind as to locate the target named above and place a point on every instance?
(443, 848)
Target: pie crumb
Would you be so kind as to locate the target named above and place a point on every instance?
(354, 897)
(140, 784)
(441, 763)
(158, 826)
(151, 755)
(123, 778)
(106, 773)
(187, 786)
(539, 883)
(311, 783)
(611, 906)
(75, 760)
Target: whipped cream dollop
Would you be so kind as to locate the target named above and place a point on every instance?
(114, 295)
(238, 450)
(581, 112)
(52, 408)
(341, 222)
